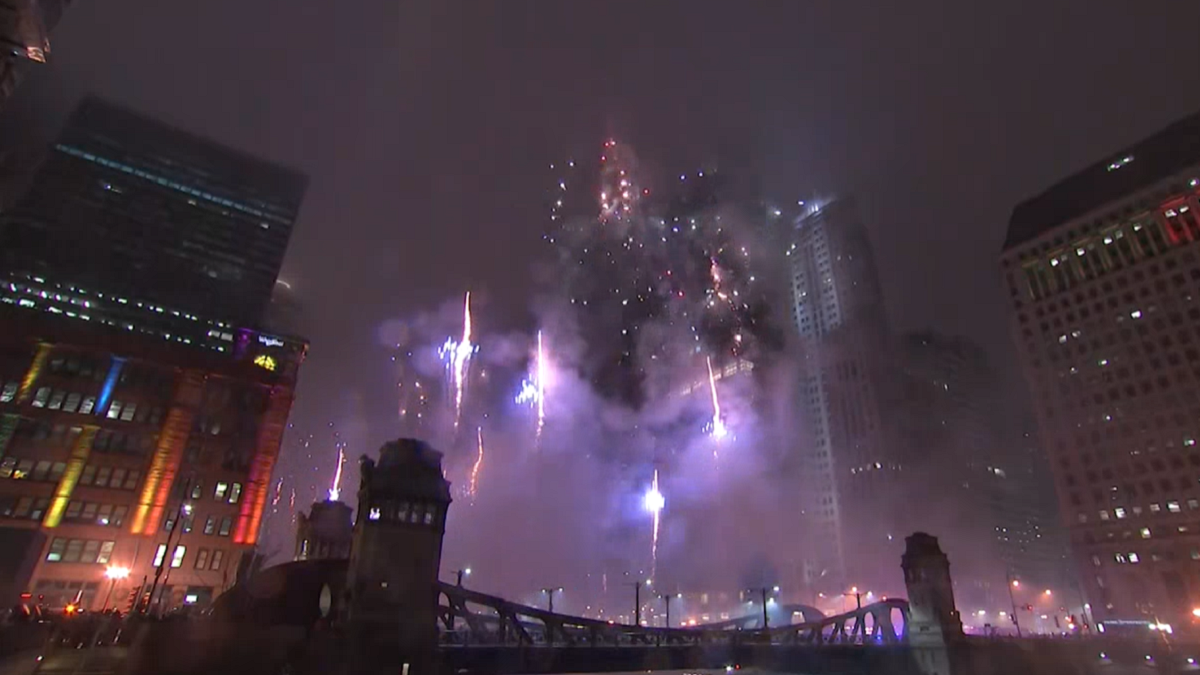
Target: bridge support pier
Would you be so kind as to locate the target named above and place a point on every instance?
(934, 626)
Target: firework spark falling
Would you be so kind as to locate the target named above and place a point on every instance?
(718, 429)
(473, 485)
(457, 356)
(278, 491)
(335, 490)
(654, 503)
(533, 388)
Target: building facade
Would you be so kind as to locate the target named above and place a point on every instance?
(1103, 273)
(137, 454)
(141, 406)
(850, 471)
(131, 207)
(25, 27)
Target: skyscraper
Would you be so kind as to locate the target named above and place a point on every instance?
(849, 469)
(130, 207)
(1103, 273)
(141, 409)
(25, 27)
(970, 479)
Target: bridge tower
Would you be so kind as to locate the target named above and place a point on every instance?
(395, 555)
(934, 624)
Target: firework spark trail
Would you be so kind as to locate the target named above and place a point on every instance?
(473, 485)
(275, 498)
(533, 388)
(457, 356)
(335, 489)
(718, 430)
(654, 502)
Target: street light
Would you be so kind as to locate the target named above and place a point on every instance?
(464, 572)
(113, 573)
(550, 593)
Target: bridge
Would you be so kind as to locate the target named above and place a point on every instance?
(470, 618)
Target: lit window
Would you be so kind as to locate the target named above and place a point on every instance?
(158, 555)
(210, 525)
(114, 410)
(1133, 558)
(39, 399)
(1145, 533)
(235, 493)
(374, 513)
(1104, 515)
(55, 553)
(1135, 314)
(1155, 508)
(217, 556)
(1120, 511)
(177, 556)
(220, 491)
(1173, 506)
(226, 526)
(106, 549)
(1120, 557)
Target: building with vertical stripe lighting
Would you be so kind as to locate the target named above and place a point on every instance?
(140, 421)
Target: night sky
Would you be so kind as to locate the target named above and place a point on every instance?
(427, 128)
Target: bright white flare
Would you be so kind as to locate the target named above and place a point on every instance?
(718, 429)
(457, 356)
(335, 490)
(654, 503)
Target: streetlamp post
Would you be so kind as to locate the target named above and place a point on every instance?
(113, 573)
(464, 572)
(666, 597)
(856, 595)
(637, 601)
(550, 593)
(1013, 583)
(763, 591)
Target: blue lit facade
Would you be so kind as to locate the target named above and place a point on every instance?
(127, 207)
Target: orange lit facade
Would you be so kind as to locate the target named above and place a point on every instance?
(130, 451)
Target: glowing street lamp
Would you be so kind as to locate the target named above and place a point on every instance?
(113, 573)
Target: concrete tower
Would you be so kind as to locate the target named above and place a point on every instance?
(396, 553)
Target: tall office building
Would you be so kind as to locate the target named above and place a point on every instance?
(131, 207)
(850, 470)
(1104, 278)
(970, 480)
(25, 27)
(141, 408)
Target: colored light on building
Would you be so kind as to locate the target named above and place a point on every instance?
(70, 477)
(266, 362)
(110, 383)
(34, 372)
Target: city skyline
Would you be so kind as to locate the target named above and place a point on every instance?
(454, 184)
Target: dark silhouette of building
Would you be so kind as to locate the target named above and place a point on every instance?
(132, 210)
(25, 27)
(1104, 280)
(990, 508)
(325, 532)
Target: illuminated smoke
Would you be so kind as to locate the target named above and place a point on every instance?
(457, 356)
(654, 503)
(335, 489)
(473, 485)
(718, 430)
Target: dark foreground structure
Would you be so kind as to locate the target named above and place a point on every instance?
(384, 611)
